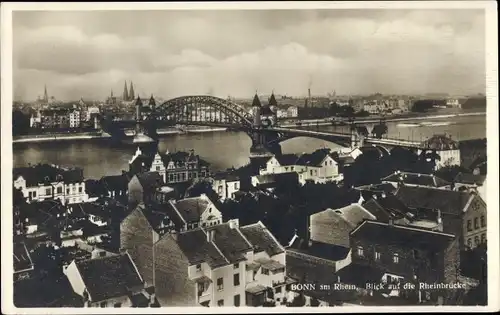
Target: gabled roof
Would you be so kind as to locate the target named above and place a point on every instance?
(190, 209)
(323, 250)
(261, 239)
(416, 179)
(447, 201)
(228, 176)
(287, 159)
(44, 173)
(109, 277)
(230, 242)
(313, 159)
(352, 214)
(385, 209)
(115, 182)
(150, 180)
(194, 245)
(404, 236)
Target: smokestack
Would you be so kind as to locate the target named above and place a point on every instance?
(309, 96)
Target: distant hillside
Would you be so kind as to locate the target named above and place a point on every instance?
(474, 102)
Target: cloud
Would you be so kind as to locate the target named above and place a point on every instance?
(353, 51)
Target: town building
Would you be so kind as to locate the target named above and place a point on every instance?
(226, 185)
(269, 182)
(453, 102)
(110, 281)
(54, 118)
(399, 178)
(219, 265)
(142, 187)
(407, 254)
(43, 181)
(463, 213)
(447, 149)
(115, 185)
(333, 226)
(74, 119)
(319, 167)
(293, 112)
(174, 167)
(195, 212)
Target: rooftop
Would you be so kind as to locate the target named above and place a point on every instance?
(440, 142)
(416, 179)
(108, 277)
(45, 174)
(261, 238)
(404, 236)
(191, 209)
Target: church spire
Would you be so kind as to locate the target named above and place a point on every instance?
(131, 91)
(256, 101)
(125, 92)
(45, 95)
(272, 100)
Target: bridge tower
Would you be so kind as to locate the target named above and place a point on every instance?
(256, 108)
(357, 138)
(143, 141)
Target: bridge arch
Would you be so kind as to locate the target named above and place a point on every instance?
(204, 110)
(283, 136)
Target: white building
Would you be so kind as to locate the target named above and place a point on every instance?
(226, 185)
(74, 119)
(92, 110)
(293, 111)
(447, 149)
(453, 102)
(319, 166)
(43, 182)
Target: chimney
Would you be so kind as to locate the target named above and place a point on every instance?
(234, 223)
(210, 235)
(439, 222)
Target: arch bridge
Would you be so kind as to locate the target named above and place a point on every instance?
(205, 110)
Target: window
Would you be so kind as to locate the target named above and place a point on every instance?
(360, 251)
(118, 305)
(48, 191)
(104, 304)
(235, 186)
(80, 189)
(265, 271)
(34, 194)
(291, 168)
(483, 221)
(236, 266)
(220, 303)
(220, 284)
(469, 242)
(158, 168)
(278, 290)
(483, 238)
(469, 225)
(237, 300)
(198, 267)
(476, 240)
(395, 258)
(59, 190)
(236, 279)
(219, 189)
(311, 172)
(67, 191)
(377, 256)
(476, 223)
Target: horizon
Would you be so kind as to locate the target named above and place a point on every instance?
(399, 52)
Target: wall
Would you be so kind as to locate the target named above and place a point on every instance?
(475, 211)
(135, 191)
(75, 279)
(229, 290)
(328, 228)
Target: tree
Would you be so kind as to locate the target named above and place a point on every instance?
(20, 123)
(427, 161)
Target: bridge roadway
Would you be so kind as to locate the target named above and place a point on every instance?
(371, 140)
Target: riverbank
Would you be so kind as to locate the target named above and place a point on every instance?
(61, 137)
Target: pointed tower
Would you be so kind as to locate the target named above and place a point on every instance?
(152, 103)
(257, 106)
(45, 95)
(125, 92)
(138, 109)
(131, 91)
(272, 100)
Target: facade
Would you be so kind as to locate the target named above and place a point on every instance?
(110, 281)
(142, 187)
(54, 118)
(320, 166)
(115, 185)
(175, 167)
(195, 212)
(74, 119)
(220, 265)
(406, 254)
(42, 182)
(453, 102)
(463, 213)
(447, 149)
(333, 226)
(226, 185)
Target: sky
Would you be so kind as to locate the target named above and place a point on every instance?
(173, 53)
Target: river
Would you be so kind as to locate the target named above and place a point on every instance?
(222, 149)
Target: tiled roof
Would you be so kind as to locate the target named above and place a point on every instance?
(228, 176)
(116, 182)
(190, 209)
(22, 258)
(325, 251)
(386, 207)
(150, 180)
(448, 201)
(287, 159)
(194, 245)
(390, 234)
(109, 277)
(416, 179)
(382, 188)
(230, 242)
(44, 173)
(261, 239)
(352, 214)
(470, 179)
